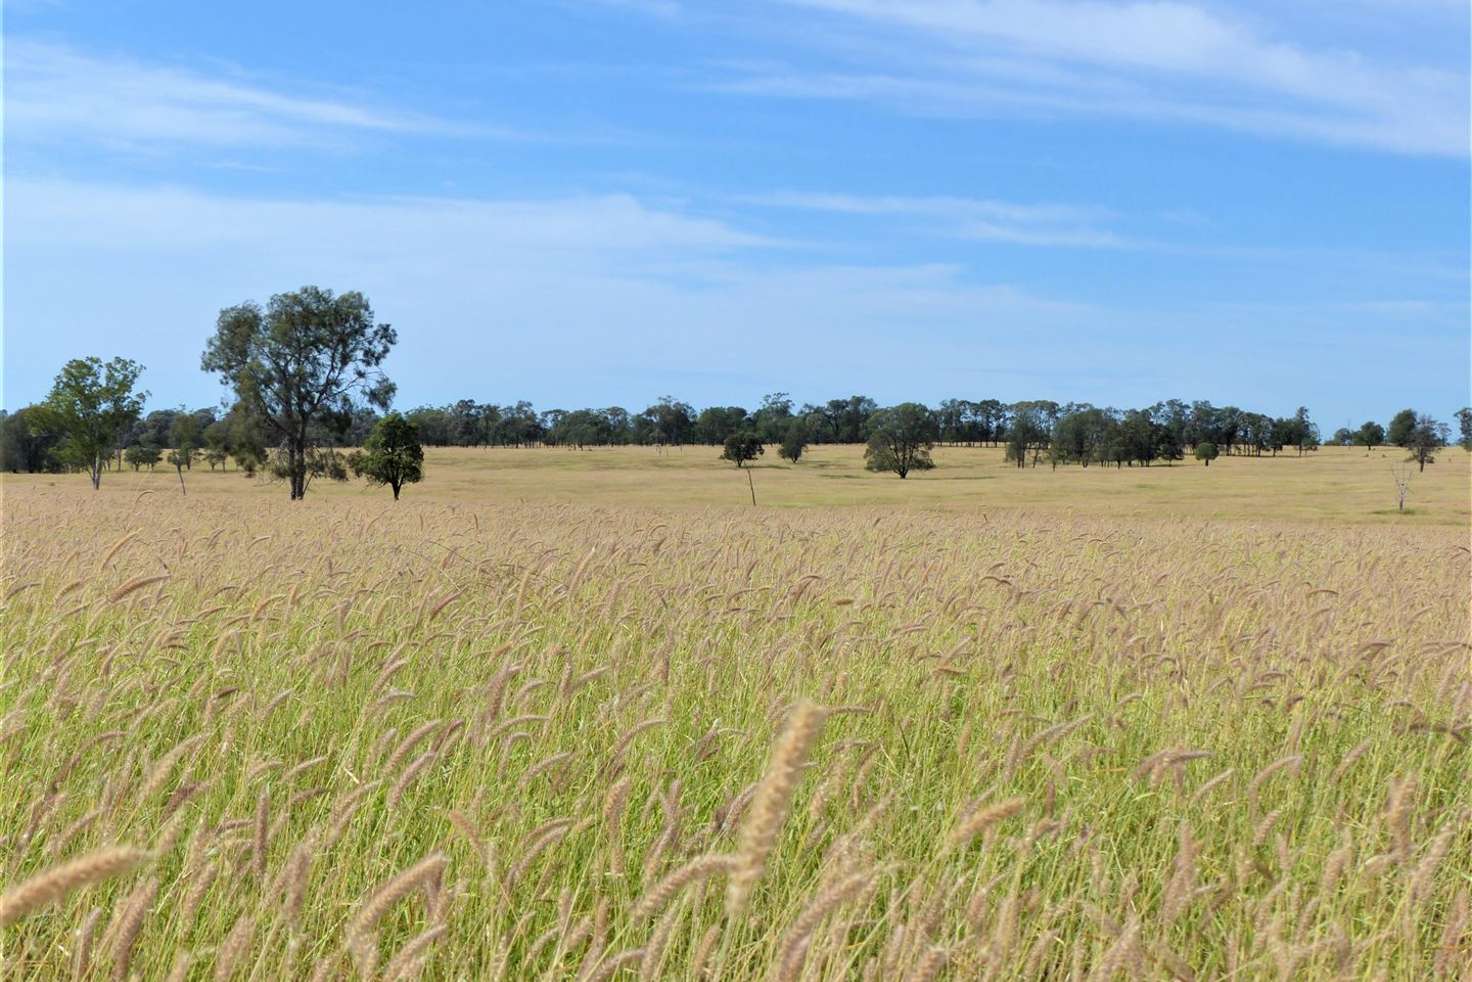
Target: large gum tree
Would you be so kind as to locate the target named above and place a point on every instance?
(308, 356)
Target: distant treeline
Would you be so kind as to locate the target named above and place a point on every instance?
(1033, 431)
(1172, 425)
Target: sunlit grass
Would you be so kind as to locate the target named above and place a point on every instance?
(1043, 744)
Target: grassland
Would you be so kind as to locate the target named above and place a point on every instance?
(562, 714)
(1335, 485)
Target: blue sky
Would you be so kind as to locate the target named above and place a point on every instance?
(595, 203)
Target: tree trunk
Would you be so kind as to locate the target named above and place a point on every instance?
(296, 465)
(395, 486)
(97, 472)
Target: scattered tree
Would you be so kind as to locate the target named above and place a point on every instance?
(794, 440)
(91, 405)
(141, 455)
(1370, 435)
(900, 439)
(741, 447)
(186, 436)
(1464, 425)
(1206, 453)
(391, 455)
(306, 358)
(1398, 434)
(1425, 438)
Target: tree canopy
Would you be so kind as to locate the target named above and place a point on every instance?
(1398, 433)
(90, 407)
(900, 439)
(1425, 439)
(391, 455)
(794, 440)
(741, 447)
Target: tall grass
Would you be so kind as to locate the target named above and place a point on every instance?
(338, 739)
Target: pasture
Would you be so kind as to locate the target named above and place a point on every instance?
(1336, 485)
(589, 714)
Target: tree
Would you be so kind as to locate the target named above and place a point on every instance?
(715, 424)
(1137, 433)
(186, 436)
(1464, 426)
(1370, 435)
(846, 419)
(28, 441)
(91, 405)
(247, 439)
(325, 462)
(141, 455)
(307, 357)
(1302, 432)
(180, 460)
(771, 420)
(1401, 425)
(1206, 452)
(1025, 432)
(391, 455)
(741, 447)
(900, 439)
(1080, 436)
(795, 440)
(217, 444)
(1425, 438)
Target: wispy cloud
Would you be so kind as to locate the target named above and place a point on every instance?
(1154, 59)
(487, 288)
(509, 298)
(968, 218)
(90, 215)
(56, 93)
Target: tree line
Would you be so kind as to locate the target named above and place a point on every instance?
(305, 382)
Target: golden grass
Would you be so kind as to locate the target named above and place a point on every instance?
(1337, 485)
(471, 738)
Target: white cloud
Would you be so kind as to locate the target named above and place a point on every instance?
(56, 93)
(1158, 60)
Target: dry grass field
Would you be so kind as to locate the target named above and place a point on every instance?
(1339, 485)
(591, 715)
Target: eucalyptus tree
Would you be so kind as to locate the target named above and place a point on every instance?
(900, 439)
(91, 406)
(1425, 439)
(391, 455)
(1370, 435)
(309, 356)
